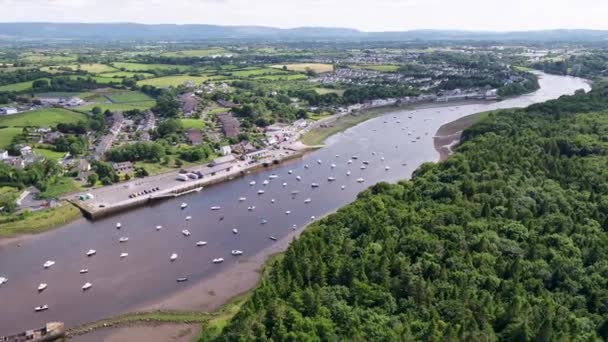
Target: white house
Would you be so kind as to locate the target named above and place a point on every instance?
(8, 110)
(3, 154)
(225, 150)
(25, 150)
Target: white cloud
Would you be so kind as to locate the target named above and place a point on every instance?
(372, 15)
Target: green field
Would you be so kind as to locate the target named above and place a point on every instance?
(381, 68)
(22, 86)
(172, 81)
(93, 68)
(38, 222)
(128, 97)
(98, 79)
(49, 154)
(197, 53)
(124, 74)
(256, 72)
(144, 67)
(323, 91)
(193, 123)
(58, 187)
(7, 135)
(143, 105)
(302, 67)
(47, 59)
(49, 117)
(285, 77)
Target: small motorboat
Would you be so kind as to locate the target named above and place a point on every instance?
(181, 280)
(273, 176)
(284, 184)
(84, 271)
(173, 257)
(91, 252)
(387, 168)
(242, 199)
(333, 166)
(123, 239)
(188, 218)
(3, 280)
(306, 166)
(215, 208)
(288, 212)
(354, 158)
(235, 231)
(382, 158)
(272, 238)
(314, 185)
(373, 153)
(201, 243)
(348, 173)
(295, 192)
(186, 232)
(265, 182)
(41, 308)
(365, 162)
(308, 200)
(218, 260)
(360, 180)
(294, 227)
(343, 187)
(319, 162)
(86, 286)
(251, 208)
(252, 183)
(264, 221)
(118, 225)
(260, 192)
(42, 287)
(337, 156)
(298, 178)
(124, 255)
(272, 200)
(236, 252)
(363, 167)
(48, 264)
(221, 218)
(331, 179)
(159, 227)
(312, 218)
(184, 205)
(350, 161)
(290, 171)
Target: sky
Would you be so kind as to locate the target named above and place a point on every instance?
(367, 15)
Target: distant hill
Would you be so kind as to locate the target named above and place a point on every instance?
(128, 31)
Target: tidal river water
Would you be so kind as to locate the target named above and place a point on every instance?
(393, 145)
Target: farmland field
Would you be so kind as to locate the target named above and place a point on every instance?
(100, 80)
(47, 59)
(172, 81)
(381, 68)
(124, 74)
(193, 123)
(282, 77)
(49, 154)
(22, 86)
(256, 72)
(42, 118)
(197, 53)
(94, 68)
(7, 135)
(323, 91)
(144, 67)
(128, 97)
(143, 105)
(301, 67)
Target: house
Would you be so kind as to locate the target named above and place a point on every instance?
(26, 150)
(50, 138)
(194, 136)
(3, 154)
(230, 125)
(225, 150)
(226, 103)
(188, 103)
(8, 110)
(117, 122)
(16, 162)
(122, 168)
(257, 155)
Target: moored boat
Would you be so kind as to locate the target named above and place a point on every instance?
(308, 200)
(288, 212)
(186, 232)
(252, 183)
(124, 255)
(236, 252)
(298, 178)
(41, 308)
(188, 218)
(42, 287)
(48, 264)
(272, 238)
(314, 185)
(235, 231)
(331, 179)
(3, 280)
(242, 199)
(84, 271)
(218, 260)
(360, 180)
(91, 252)
(181, 280)
(251, 208)
(86, 286)
(118, 225)
(123, 239)
(184, 205)
(260, 192)
(159, 227)
(215, 208)
(201, 243)
(173, 257)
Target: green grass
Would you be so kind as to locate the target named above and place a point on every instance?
(37, 222)
(119, 106)
(128, 97)
(256, 72)
(317, 117)
(145, 67)
(59, 187)
(521, 68)
(7, 135)
(172, 81)
(319, 68)
(93, 68)
(8, 193)
(98, 79)
(197, 53)
(49, 154)
(124, 74)
(381, 68)
(49, 117)
(193, 123)
(47, 59)
(17, 87)
(286, 77)
(323, 91)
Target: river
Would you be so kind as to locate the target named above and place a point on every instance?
(121, 285)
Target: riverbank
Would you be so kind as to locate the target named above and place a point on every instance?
(37, 222)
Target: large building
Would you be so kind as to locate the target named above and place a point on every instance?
(230, 125)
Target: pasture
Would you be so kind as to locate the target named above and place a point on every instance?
(193, 123)
(323, 91)
(145, 67)
(128, 97)
(197, 53)
(124, 74)
(172, 81)
(143, 105)
(380, 68)
(319, 68)
(48, 117)
(7, 135)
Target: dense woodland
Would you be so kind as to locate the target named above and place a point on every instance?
(506, 240)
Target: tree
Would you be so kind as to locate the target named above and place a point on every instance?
(92, 179)
(167, 105)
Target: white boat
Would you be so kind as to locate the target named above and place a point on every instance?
(343, 187)
(123, 239)
(290, 171)
(354, 157)
(288, 212)
(236, 252)
(365, 162)
(331, 179)
(86, 286)
(216, 208)
(260, 192)
(42, 287)
(284, 184)
(319, 162)
(188, 218)
(91, 252)
(173, 257)
(48, 264)
(3, 280)
(235, 231)
(360, 180)
(272, 238)
(118, 225)
(382, 158)
(265, 182)
(312, 218)
(186, 232)
(294, 227)
(314, 185)
(84, 271)
(348, 173)
(124, 255)
(373, 153)
(264, 221)
(308, 200)
(251, 208)
(159, 227)
(201, 243)
(295, 192)
(387, 168)
(273, 176)
(184, 205)
(272, 200)
(218, 260)
(306, 166)
(337, 156)
(252, 183)
(363, 167)
(298, 178)
(350, 161)
(182, 279)
(41, 308)
(242, 199)
(333, 166)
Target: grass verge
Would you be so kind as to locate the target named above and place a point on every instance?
(37, 222)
